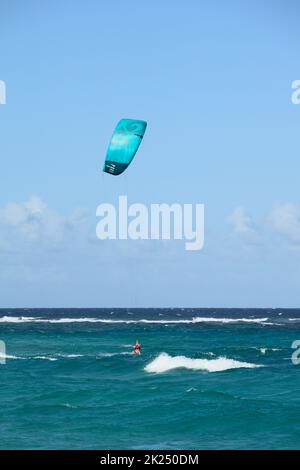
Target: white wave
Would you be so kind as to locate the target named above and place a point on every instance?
(9, 356)
(8, 319)
(123, 353)
(264, 350)
(69, 320)
(46, 358)
(164, 363)
(70, 355)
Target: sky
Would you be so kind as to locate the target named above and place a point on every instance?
(213, 79)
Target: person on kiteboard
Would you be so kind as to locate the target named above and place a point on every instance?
(137, 347)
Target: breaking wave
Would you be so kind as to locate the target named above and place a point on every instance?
(9, 356)
(9, 319)
(45, 358)
(164, 363)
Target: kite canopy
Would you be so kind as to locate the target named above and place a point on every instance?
(123, 146)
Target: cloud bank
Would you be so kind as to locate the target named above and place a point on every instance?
(283, 219)
(33, 223)
(49, 258)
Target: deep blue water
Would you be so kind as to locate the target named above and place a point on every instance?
(206, 379)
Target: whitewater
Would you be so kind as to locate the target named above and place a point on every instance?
(23, 319)
(164, 363)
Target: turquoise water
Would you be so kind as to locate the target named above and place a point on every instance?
(207, 379)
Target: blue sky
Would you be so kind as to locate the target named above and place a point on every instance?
(213, 80)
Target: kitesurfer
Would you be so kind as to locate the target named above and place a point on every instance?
(137, 347)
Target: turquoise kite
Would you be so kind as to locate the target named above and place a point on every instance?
(123, 146)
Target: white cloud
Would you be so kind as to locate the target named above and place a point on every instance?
(33, 221)
(242, 224)
(16, 214)
(285, 220)
(35, 205)
(13, 214)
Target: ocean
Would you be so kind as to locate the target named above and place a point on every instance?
(206, 379)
